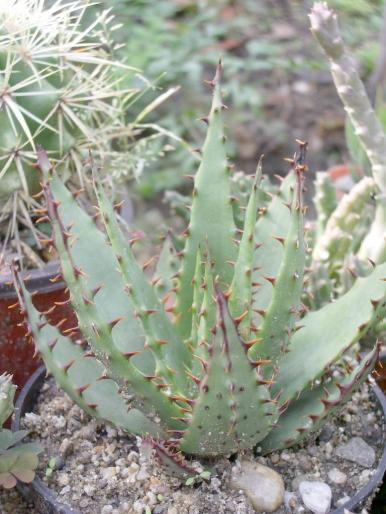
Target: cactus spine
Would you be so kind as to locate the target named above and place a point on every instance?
(220, 356)
(60, 88)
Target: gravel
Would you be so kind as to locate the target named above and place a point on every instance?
(103, 470)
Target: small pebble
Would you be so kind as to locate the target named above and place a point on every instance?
(316, 496)
(326, 433)
(262, 485)
(109, 473)
(142, 475)
(159, 510)
(357, 450)
(66, 447)
(290, 501)
(63, 479)
(337, 477)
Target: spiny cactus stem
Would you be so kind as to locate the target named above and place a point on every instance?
(324, 26)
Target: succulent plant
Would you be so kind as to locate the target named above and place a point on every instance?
(350, 234)
(222, 350)
(60, 87)
(241, 184)
(7, 394)
(17, 461)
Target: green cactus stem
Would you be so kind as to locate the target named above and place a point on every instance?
(337, 240)
(367, 127)
(324, 199)
(61, 87)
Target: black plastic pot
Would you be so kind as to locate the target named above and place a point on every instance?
(46, 503)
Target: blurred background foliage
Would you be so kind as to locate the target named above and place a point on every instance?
(276, 84)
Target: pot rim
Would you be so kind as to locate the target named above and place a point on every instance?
(32, 388)
(39, 279)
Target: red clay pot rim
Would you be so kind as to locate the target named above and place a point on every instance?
(50, 505)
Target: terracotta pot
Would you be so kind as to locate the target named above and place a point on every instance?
(341, 176)
(16, 355)
(46, 503)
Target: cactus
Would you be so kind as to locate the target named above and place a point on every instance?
(226, 358)
(366, 125)
(335, 249)
(349, 238)
(17, 461)
(60, 87)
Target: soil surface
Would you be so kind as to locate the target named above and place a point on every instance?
(99, 469)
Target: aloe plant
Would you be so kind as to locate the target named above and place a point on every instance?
(217, 343)
(17, 461)
(61, 87)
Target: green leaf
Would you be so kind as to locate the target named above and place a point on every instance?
(79, 374)
(240, 299)
(287, 284)
(211, 221)
(308, 413)
(232, 409)
(328, 332)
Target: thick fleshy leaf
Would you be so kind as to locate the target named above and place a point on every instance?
(211, 222)
(328, 332)
(233, 408)
(308, 413)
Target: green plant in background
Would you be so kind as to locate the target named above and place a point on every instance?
(250, 35)
(176, 43)
(17, 461)
(221, 350)
(349, 238)
(61, 87)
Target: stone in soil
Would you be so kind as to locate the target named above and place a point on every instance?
(357, 450)
(337, 477)
(316, 496)
(262, 485)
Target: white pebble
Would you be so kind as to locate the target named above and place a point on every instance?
(316, 496)
(337, 477)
